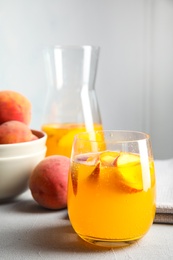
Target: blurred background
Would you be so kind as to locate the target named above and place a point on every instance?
(134, 83)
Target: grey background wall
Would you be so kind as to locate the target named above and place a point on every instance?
(135, 74)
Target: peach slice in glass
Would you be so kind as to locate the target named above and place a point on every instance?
(96, 170)
(109, 158)
(126, 168)
(127, 159)
(74, 177)
(93, 159)
(129, 172)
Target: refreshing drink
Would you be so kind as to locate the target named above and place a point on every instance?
(71, 105)
(60, 137)
(111, 196)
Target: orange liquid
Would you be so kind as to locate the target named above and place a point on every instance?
(60, 137)
(114, 203)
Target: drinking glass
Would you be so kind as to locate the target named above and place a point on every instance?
(111, 187)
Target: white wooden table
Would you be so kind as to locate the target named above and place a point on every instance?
(28, 231)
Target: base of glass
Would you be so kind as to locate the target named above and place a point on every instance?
(108, 242)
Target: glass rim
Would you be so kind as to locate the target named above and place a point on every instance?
(143, 135)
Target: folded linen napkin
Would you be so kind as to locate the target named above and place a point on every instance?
(164, 184)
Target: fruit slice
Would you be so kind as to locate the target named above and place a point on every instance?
(92, 159)
(65, 143)
(95, 174)
(125, 167)
(125, 159)
(129, 172)
(74, 178)
(96, 170)
(109, 158)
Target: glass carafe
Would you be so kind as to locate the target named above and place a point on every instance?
(72, 105)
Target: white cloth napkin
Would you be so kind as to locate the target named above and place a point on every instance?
(164, 184)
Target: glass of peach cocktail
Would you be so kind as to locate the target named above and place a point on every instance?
(111, 188)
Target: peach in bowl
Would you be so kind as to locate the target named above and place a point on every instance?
(24, 148)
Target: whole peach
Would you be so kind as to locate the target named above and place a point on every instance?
(48, 182)
(14, 106)
(14, 132)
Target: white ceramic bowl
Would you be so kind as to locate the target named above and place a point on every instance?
(25, 148)
(15, 172)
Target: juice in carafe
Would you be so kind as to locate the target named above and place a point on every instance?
(60, 137)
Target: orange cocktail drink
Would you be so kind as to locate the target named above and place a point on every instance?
(111, 194)
(60, 136)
